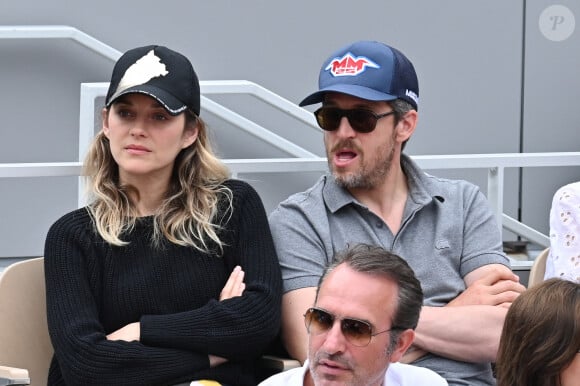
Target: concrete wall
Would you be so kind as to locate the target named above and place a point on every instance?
(490, 82)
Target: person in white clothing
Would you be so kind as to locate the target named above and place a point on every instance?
(365, 312)
(564, 259)
(398, 374)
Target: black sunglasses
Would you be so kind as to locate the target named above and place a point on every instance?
(357, 332)
(361, 120)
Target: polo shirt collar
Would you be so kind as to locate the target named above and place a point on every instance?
(421, 191)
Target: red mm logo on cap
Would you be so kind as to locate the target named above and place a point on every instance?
(349, 65)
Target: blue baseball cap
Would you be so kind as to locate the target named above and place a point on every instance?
(368, 70)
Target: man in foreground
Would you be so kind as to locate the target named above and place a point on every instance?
(367, 306)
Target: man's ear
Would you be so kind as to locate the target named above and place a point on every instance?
(406, 126)
(404, 341)
(105, 119)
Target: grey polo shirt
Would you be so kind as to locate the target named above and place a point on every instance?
(448, 230)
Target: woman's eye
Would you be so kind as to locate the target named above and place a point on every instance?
(124, 113)
(159, 117)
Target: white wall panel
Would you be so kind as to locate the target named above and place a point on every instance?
(468, 55)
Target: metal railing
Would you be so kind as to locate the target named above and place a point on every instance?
(91, 91)
(59, 32)
(495, 164)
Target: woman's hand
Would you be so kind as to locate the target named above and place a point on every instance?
(129, 333)
(216, 361)
(235, 285)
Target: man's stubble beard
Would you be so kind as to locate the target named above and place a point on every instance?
(367, 176)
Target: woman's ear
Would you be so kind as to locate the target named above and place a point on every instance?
(189, 136)
(105, 124)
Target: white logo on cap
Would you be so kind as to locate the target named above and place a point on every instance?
(142, 71)
(412, 95)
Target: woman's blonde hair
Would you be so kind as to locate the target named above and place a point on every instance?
(188, 215)
(541, 335)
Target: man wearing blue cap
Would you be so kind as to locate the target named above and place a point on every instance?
(377, 195)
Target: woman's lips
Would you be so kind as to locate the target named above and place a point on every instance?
(137, 149)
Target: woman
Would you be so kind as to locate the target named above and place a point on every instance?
(169, 274)
(540, 342)
(564, 258)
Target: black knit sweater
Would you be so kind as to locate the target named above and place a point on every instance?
(94, 288)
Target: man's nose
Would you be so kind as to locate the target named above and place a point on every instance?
(335, 341)
(344, 129)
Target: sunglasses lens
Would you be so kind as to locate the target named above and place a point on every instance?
(357, 332)
(318, 321)
(362, 121)
(328, 118)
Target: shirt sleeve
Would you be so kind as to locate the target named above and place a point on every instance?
(564, 258)
(301, 244)
(481, 234)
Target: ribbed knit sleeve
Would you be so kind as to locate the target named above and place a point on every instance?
(241, 327)
(94, 288)
(85, 356)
